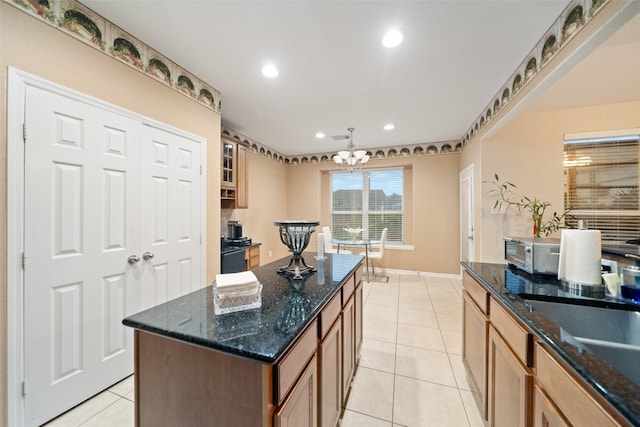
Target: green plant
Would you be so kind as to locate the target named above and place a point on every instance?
(503, 191)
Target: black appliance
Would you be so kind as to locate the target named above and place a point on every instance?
(234, 229)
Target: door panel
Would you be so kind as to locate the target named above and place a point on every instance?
(171, 167)
(99, 187)
(81, 197)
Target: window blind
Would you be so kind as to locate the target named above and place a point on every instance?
(601, 185)
(371, 200)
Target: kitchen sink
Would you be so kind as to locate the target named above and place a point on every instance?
(612, 334)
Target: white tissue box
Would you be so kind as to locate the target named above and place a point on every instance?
(231, 301)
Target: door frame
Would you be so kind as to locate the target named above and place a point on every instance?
(17, 83)
(467, 175)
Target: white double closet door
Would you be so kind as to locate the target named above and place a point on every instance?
(112, 226)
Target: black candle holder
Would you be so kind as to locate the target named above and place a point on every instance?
(295, 235)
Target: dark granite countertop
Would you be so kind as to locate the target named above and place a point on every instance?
(264, 333)
(509, 285)
(227, 249)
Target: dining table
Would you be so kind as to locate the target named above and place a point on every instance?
(366, 243)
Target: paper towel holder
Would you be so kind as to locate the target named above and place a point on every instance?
(582, 289)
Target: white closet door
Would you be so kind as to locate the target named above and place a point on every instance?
(82, 210)
(172, 216)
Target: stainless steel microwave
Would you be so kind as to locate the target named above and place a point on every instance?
(534, 255)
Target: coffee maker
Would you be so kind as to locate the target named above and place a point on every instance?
(234, 235)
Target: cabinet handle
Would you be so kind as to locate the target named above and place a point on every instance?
(133, 259)
(147, 256)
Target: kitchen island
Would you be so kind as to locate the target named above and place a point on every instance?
(258, 367)
(525, 366)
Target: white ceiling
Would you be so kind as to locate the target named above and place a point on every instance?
(334, 72)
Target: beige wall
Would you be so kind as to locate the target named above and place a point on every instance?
(268, 201)
(528, 152)
(431, 209)
(29, 45)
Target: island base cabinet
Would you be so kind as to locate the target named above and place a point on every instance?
(167, 394)
(545, 413)
(510, 386)
(300, 409)
(330, 395)
(348, 348)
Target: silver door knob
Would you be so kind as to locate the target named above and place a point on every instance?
(133, 259)
(147, 256)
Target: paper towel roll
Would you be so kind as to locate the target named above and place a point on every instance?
(580, 255)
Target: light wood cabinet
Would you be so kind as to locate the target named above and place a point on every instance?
(348, 347)
(574, 401)
(301, 407)
(545, 413)
(359, 306)
(474, 350)
(330, 373)
(242, 178)
(475, 324)
(509, 391)
(252, 257)
(233, 174)
(526, 384)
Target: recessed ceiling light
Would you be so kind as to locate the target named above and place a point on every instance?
(393, 38)
(320, 135)
(270, 70)
(389, 126)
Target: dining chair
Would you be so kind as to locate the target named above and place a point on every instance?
(328, 246)
(378, 255)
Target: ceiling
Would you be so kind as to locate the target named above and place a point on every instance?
(334, 71)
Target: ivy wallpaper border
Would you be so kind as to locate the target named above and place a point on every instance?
(82, 23)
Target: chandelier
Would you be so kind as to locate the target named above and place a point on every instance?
(351, 159)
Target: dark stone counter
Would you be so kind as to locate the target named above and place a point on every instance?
(509, 286)
(262, 334)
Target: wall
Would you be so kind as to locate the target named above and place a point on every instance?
(35, 47)
(268, 201)
(528, 152)
(431, 209)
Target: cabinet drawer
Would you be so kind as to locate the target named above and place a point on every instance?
(329, 315)
(573, 400)
(295, 360)
(476, 291)
(519, 339)
(347, 288)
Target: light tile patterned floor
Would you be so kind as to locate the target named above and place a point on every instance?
(410, 372)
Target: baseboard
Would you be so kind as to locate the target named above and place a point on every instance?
(420, 273)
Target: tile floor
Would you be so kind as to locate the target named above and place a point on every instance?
(410, 372)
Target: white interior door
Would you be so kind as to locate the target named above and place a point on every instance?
(100, 188)
(172, 215)
(466, 214)
(82, 183)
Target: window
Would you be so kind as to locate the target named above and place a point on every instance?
(601, 185)
(371, 200)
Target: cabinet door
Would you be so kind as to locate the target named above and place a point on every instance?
(358, 325)
(301, 407)
(510, 386)
(228, 167)
(545, 413)
(348, 347)
(474, 350)
(330, 403)
(242, 175)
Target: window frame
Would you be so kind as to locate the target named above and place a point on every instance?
(365, 213)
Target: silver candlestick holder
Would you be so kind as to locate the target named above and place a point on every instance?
(295, 235)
